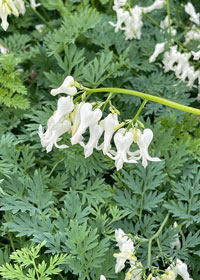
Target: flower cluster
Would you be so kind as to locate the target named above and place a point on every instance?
(127, 253)
(16, 7)
(131, 21)
(135, 272)
(175, 60)
(80, 117)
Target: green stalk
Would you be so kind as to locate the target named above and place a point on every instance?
(106, 102)
(136, 116)
(139, 110)
(155, 236)
(39, 15)
(169, 19)
(11, 241)
(93, 5)
(146, 96)
(110, 5)
(152, 20)
(56, 164)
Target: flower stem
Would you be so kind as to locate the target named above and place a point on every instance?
(107, 100)
(140, 109)
(39, 15)
(146, 96)
(155, 236)
(93, 5)
(11, 241)
(152, 20)
(169, 19)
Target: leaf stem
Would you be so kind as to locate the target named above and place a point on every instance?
(146, 96)
(155, 236)
(56, 164)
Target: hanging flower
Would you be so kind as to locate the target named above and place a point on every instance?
(126, 250)
(95, 134)
(109, 124)
(8, 7)
(159, 48)
(53, 133)
(122, 143)
(194, 17)
(143, 140)
(57, 125)
(87, 118)
(67, 87)
(158, 4)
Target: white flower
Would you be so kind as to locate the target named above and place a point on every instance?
(194, 17)
(192, 76)
(3, 50)
(181, 269)
(193, 34)
(118, 4)
(134, 24)
(3, 15)
(170, 275)
(121, 238)
(39, 27)
(176, 244)
(8, 7)
(57, 125)
(95, 133)
(33, 4)
(158, 4)
(20, 6)
(122, 143)
(87, 118)
(52, 135)
(126, 250)
(165, 24)
(196, 55)
(108, 124)
(122, 17)
(159, 48)
(102, 277)
(66, 87)
(75, 116)
(65, 106)
(143, 141)
(135, 272)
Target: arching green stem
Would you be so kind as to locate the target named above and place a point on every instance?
(148, 97)
(155, 236)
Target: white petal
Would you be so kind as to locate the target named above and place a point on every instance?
(159, 48)
(87, 118)
(181, 269)
(95, 133)
(66, 87)
(64, 107)
(143, 141)
(108, 124)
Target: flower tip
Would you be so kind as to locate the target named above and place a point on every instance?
(54, 92)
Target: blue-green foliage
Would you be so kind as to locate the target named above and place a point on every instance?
(75, 204)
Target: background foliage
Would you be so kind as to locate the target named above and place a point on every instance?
(72, 203)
